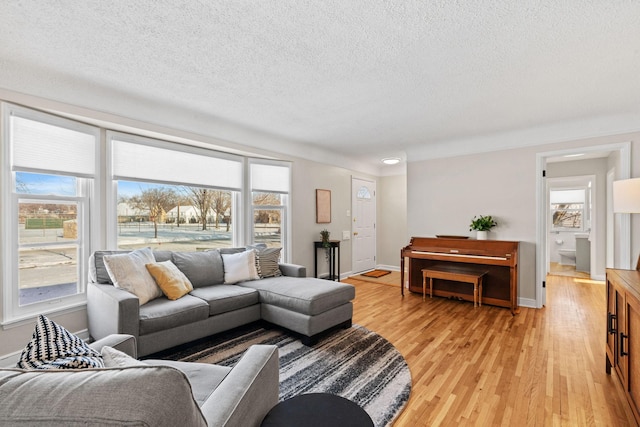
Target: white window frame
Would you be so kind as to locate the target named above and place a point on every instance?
(285, 207)
(112, 187)
(582, 211)
(86, 199)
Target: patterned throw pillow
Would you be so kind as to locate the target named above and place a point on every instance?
(53, 347)
(267, 262)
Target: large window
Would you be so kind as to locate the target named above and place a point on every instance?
(69, 188)
(49, 169)
(173, 217)
(174, 197)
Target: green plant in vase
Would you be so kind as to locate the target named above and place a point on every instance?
(324, 234)
(482, 225)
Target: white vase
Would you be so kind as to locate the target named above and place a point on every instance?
(482, 235)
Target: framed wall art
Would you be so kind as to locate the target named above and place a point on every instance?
(323, 206)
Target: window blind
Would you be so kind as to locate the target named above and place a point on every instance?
(175, 164)
(43, 147)
(270, 178)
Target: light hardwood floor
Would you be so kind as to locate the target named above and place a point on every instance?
(484, 367)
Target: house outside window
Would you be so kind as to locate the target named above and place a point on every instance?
(173, 217)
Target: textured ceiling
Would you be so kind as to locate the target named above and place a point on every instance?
(366, 78)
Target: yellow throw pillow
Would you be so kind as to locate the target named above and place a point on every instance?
(170, 279)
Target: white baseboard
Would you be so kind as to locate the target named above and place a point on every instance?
(527, 302)
(388, 267)
(346, 275)
(9, 360)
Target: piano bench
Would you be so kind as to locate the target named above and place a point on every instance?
(454, 274)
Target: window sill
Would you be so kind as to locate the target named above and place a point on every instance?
(30, 318)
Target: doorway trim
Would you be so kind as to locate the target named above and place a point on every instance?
(623, 246)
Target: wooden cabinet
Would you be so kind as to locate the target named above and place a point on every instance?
(623, 332)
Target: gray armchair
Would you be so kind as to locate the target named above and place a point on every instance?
(160, 393)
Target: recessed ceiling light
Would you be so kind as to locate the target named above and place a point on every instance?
(574, 155)
(391, 161)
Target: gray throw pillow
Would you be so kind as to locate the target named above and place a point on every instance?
(201, 268)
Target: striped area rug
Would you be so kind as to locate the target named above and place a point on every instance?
(354, 363)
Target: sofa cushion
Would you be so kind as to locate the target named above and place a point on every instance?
(201, 268)
(132, 396)
(162, 256)
(304, 295)
(203, 377)
(224, 298)
(54, 347)
(161, 314)
(118, 359)
(170, 279)
(240, 267)
(128, 272)
(232, 250)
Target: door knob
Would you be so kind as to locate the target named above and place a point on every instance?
(355, 233)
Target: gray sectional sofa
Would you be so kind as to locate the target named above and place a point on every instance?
(304, 305)
(150, 393)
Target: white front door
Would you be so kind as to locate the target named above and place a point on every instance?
(363, 202)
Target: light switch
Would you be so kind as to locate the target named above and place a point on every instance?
(346, 235)
(348, 212)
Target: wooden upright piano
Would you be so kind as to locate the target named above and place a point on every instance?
(499, 258)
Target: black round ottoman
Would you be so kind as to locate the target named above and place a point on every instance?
(317, 410)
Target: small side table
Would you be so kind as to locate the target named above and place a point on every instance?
(334, 245)
(317, 410)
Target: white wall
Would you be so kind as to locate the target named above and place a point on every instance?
(391, 223)
(444, 194)
(307, 177)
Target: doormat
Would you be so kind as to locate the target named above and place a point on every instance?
(376, 273)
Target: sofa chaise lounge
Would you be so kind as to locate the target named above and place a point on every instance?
(287, 298)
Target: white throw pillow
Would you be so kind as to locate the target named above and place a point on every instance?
(118, 359)
(129, 272)
(240, 267)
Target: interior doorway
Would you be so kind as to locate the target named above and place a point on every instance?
(572, 238)
(363, 224)
(617, 166)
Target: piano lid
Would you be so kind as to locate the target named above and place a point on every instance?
(461, 247)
